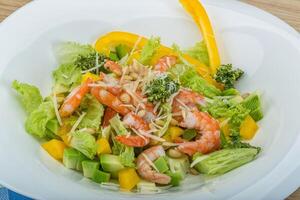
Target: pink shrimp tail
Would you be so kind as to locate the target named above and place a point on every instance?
(133, 140)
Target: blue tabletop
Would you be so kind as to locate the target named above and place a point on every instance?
(6, 194)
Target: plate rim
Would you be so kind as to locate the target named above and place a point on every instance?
(269, 18)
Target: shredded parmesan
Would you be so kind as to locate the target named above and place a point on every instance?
(161, 117)
(154, 137)
(177, 114)
(156, 107)
(77, 122)
(170, 144)
(155, 125)
(123, 74)
(150, 162)
(139, 134)
(54, 100)
(135, 45)
(185, 106)
(97, 66)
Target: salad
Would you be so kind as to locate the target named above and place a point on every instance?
(131, 113)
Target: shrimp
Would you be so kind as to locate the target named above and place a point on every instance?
(207, 126)
(144, 168)
(134, 121)
(110, 100)
(164, 63)
(112, 84)
(73, 100)
(186, 98)
(148, 106)
(108, 114)
(114, 67)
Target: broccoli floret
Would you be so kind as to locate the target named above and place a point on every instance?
(227, 75)
(161, 88)
(89, 61)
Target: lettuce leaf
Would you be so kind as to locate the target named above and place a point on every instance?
(67, 52)
(37, 120)
(126, 153)
(66, 76)
(85, 143)
(199, 52)
(29, 95)
(189, 78)
(94, 112)
(149, 50)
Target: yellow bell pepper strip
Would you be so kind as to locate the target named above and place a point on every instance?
(248, 128)
(107, 42)
(103, 146)
(197, 11)
(128, 178)
(55, 148)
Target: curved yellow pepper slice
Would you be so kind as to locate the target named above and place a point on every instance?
(197, 11)
(107, 42)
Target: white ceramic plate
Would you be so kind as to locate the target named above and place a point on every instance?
(265, 47)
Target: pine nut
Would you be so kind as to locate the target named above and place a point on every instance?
(125, 98)
(134, 75)
(174, 153)
(174, 122)
(141, 113)
(128, 77)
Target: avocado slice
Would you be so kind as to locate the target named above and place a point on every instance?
(189, 134)
(111, 163)
(72, 159)
(161, 164)
(180, 165)
(176, 178)
(100, 176)
(89, 167)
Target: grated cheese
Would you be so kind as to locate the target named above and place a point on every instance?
(77, 122)
(156, 107)
(170, 144)
(54, 100)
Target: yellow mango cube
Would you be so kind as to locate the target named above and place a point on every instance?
(167, 137)
(55, 148)
(175, 132)
(103, 146)
(94, 77)
(128, 178)
(248, 128)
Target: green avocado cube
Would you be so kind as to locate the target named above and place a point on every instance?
(189, 134)
(100, 176)
(113, 56)
(72, 159)
(111, 163)
(89, 167)
(161, 164)
(176, 178)
(121, 50)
